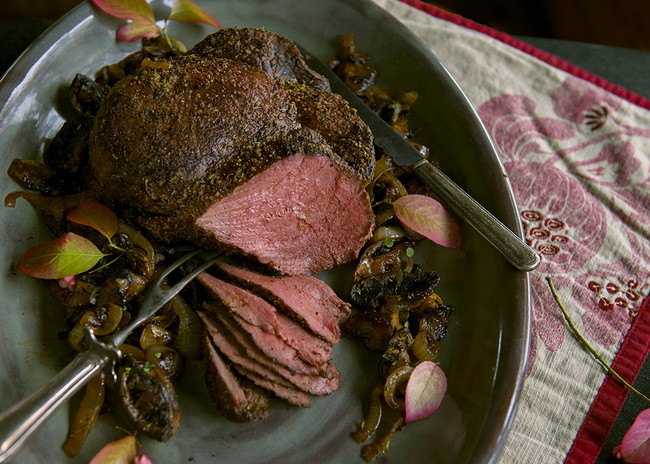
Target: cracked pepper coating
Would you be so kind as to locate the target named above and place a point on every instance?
(171, 142)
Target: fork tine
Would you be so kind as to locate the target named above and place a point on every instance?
(155, 296)
(173, 266)
(191, 275)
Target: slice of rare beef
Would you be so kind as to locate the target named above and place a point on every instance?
(289, 216)
(237, 399)
(271, 382)
(225, 152)
(312, 349)
(304, 298)
(236, 346)
(283, 391)
(233, 300)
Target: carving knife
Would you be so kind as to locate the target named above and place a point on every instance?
(511, 246)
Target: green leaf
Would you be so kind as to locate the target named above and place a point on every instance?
(97, 216)
(121, 451)
(428, 217)
(68, 255)
(138, 11)
(186, 11)
(425, 390)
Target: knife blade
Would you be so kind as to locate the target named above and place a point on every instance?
(511, 246)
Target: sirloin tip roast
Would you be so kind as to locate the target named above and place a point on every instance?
(237, 145)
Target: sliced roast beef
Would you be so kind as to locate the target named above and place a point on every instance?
(237, 356)
(252, 155)
(285, 216)
(283, 391)
(270, 345)
(236, 346)
(305, 298)
(237, 399)
(261, 314)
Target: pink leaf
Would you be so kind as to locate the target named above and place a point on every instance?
(68, 255)
(425, 390)
(186, 11)
(138, 11)
(117, 452)
(428, 217)
(133, 31)
(97, 216)
(142, 459)
(635, 446)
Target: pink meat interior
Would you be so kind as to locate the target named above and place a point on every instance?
(301, 215)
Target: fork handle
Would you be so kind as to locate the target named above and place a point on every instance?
(21, 420)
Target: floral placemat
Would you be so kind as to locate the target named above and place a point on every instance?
(577, 151)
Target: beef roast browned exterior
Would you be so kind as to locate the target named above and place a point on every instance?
(237, 144)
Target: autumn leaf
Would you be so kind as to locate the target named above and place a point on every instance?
(138, 11)
(133, 31)
(142, 459)
(97, 216)
(428, 217)
(635, 446)
(186, 11)
(68, 255)
(121, 451)
(425, 390)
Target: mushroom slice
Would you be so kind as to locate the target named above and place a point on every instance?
(149, 398)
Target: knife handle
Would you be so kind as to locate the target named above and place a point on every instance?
(513, 248)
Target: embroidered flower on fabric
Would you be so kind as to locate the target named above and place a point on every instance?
(583, 104)
(544, 234)
(582, 192)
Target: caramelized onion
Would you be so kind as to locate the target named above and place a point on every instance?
(132, 352)
(374, 265)
(380, 447)
(138, 240)
(166, 358)
(384, 215)
(190, 328)
(395, 385)
(164, 317)
(86, 416)
(76, 337)
(154, 335)
(372, 418)
(103, 319)
(384, 233)
(424, 348)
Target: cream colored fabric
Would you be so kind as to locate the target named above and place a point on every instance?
(578, 160)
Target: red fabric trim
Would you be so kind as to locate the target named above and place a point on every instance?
(612, 393)
(542, 55)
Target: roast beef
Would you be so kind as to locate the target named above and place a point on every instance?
(282, 390)
(238, 145)
(239, 349)
(263, 315)
(258, 317)
(304, 298)
(235, 397)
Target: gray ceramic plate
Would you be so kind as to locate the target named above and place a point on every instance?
(484, 355)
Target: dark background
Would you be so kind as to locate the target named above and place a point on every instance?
(621, 23)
